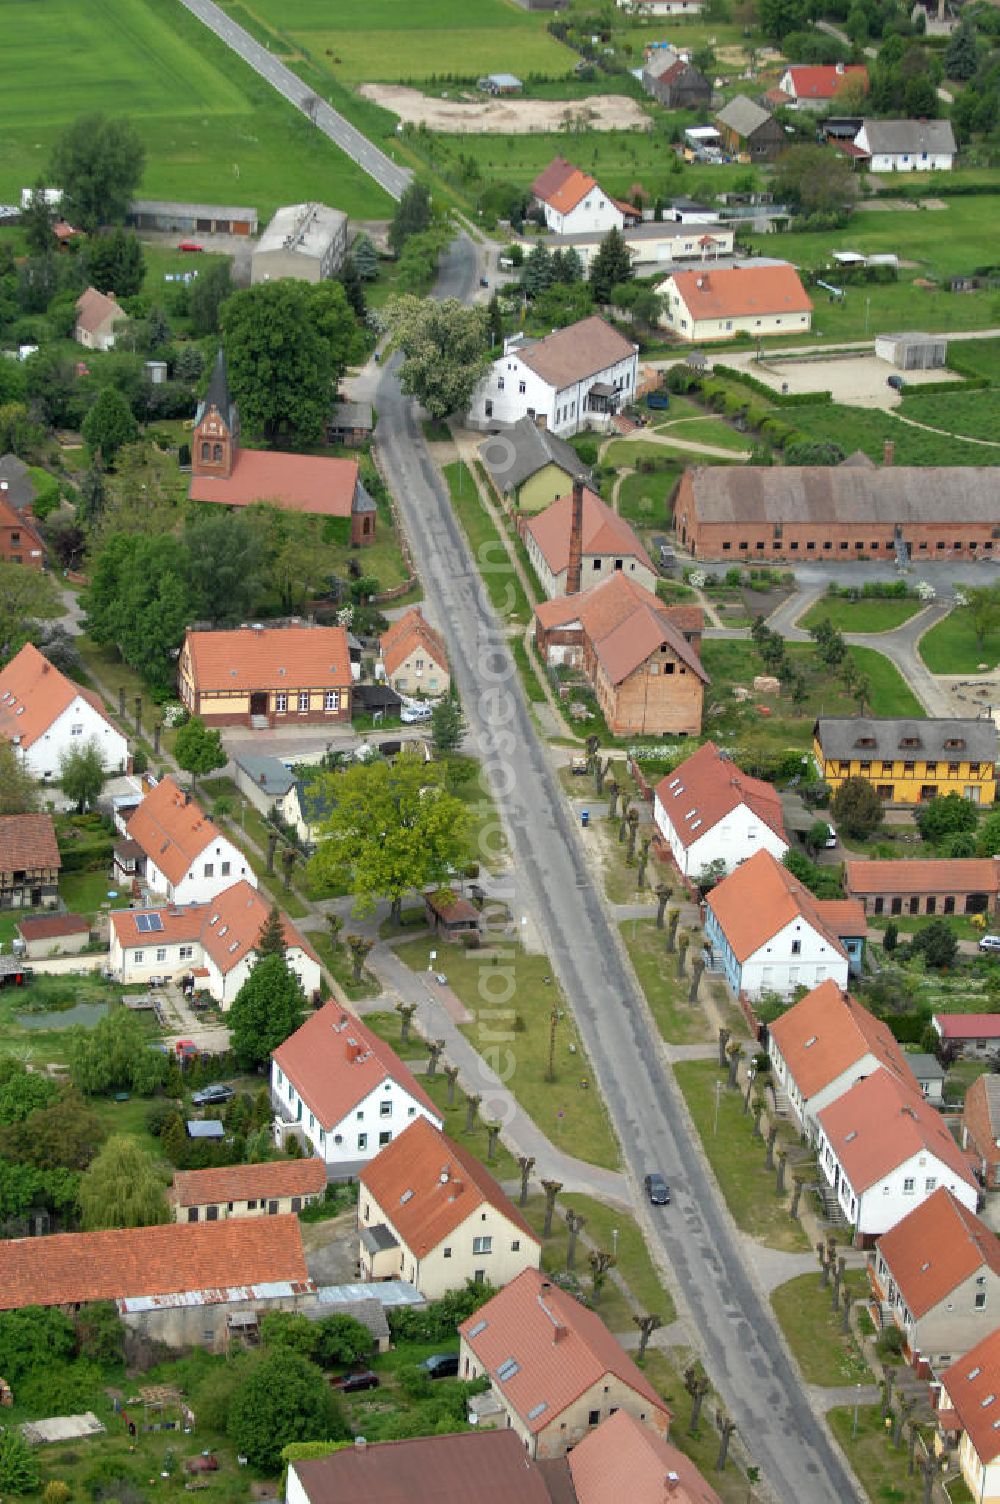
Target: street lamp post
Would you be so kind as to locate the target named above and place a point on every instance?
(857, 1402)
(718, 1098)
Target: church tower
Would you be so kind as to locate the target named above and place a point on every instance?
(215, 442)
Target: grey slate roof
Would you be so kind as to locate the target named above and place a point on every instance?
(846, 494)
(17, 487)
(378, 1239)
(743, 116)
(925, 1067)
(362, 502)
(875, 739)
(218, 395)
(523, 449)
(267, 773)
(893, 137)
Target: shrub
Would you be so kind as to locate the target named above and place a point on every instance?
(33, 1339)
(18, 1467)
(100, 1334)
(856, 808)
(890, 939)
(890, 1342)
(282, 1398)
(56, 1492)
(946, 816)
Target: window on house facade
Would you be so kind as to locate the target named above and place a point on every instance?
(303, 699)
(281, 702)
(482, 1245)
(331, 700)
(362, 1141)
(909, 1185)
(385, 1109)
(385, 1138)
(209, 869)
(138, 957)
(161, 954)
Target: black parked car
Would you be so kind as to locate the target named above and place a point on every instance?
(441, 1366)
(354, 1383)
(210, 1096)
(657, 1189)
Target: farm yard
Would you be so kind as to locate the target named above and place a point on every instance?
(212, 129)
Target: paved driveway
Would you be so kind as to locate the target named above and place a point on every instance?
(858, 380)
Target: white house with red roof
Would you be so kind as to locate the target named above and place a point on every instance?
(343, 1089)
(815, 86)
(44, 715)
(573, 379)
(971, 1034)
(574, 202)
(752, 297)
(884, 1150)
(430, 1213)
(708, 811)
(968, 1407)
(216, 942)
(769, 934)
(936, 1276)
(608, 546)
(823, 1045)
(553, 1366)
(183, 854)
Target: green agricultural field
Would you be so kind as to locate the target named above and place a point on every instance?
(952, 647)
(868, 428)
(212, 129)
(973, 414)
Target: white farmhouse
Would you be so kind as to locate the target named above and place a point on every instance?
(573, 202)
(824, 1045)
(344, 1089)
(573, 379)
(708, 811)
(969, 1406)
(883, 1150)
(907, 145)
(181, 852)
(43, 714)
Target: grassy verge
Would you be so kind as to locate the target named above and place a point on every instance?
(952, 647)
(703, 1449)
(338, 963)
(676, 1019)
(880, 1466)
(890, 693)
(570, 1113)
(737, 1158)
(634, 1263)
(860, 616)
(825, 1355)
(503, 586)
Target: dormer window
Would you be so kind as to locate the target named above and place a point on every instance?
(911, 741)
(955, 744)
(865, 741)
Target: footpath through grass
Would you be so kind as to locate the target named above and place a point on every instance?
(736, 1157)
(813, 1331)
(952, 647)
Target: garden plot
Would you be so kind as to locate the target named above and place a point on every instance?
(473, 114)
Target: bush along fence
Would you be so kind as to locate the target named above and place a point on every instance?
(716, 392)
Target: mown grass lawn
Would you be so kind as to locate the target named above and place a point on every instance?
(708, 431)
(976, 414)
(499, 576)
(880, 1466)
(868, 429)
(678, 1021)
(860, 616)
(951, 647)
(813, 1331)
(644, 500)
(667, 1376)
(737, 1158)
(512, 1011)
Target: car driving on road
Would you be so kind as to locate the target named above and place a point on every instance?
(657, 1189)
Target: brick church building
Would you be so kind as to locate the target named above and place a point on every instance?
(228, 475)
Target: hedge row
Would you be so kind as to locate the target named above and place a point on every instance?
(932, 388)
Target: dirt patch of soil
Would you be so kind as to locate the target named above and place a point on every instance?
(477, 115)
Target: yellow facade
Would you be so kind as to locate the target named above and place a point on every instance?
(901, 782)
(543, 488)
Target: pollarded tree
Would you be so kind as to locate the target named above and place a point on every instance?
(98, 163)
(122, 1188)
(82, 774)
(445, 350)
(199, 749)
(268, 1007)
(282, 1398)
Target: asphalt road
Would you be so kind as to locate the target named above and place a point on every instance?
(713, 1269)
(350, 141)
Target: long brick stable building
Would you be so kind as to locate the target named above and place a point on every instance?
(839, 511)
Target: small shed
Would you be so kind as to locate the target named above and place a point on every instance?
(913, 352)
(54, 935)
(350, 423)
(930, 1075)
(205, 1128)
(452, 918)
(501, 83)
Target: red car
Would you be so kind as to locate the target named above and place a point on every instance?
(206, 1463)
(190, 245)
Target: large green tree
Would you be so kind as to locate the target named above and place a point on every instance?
(856, 808)
(207, 295)
(947, 815)
(391, 828)
(199, 749)
(445, 350)
(122, 1188)
(226, 562)
(266, 1010)
(65, 1134)
(98, 164)
(412, 216)
(447, 724)
(813, 179)
(27, 596)
(18, 790)
(140, 602)
(114, 1056)
(282, 1398)
(115, 263)
(82, 774)
(982, 608)
(110, 424)
(611, 265)
(287, 345)
(38, 218)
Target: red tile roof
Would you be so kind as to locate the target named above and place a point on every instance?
(706, 787)
(18, 522)
(34, 694)
(757, 900)
(26, 842)
(740, 291)
(571, 191)
(227, 928)
(644, 633)
(426, 1185)
(489, 1467)
(288, 658)
(825, 82)
(606, 615)
(968, 1025)
(276, 1179)
(52, 926)
(934, 875)
(826, 1032)
(623, 1459)
(972, 1385)
(94, 309)
(552, 178)
(844, 916)
(604, 533)
(408, 633)
(334, 1061)
(935, 1249)
(560, 1347)
(307, 483)
(78, 1267)
(881, 1123)
(172, 829)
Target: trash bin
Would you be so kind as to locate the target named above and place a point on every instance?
(585, 818)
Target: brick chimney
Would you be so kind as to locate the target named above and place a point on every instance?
(888, 452)
(574, 570)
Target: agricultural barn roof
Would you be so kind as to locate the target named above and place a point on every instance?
(282, 1177)
(824, 494)
(934, 875)
(192, 211)
(27, 842)
(743, 116)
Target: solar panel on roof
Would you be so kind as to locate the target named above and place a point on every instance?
(155, 921)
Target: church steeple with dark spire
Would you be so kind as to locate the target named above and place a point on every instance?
(215, 441)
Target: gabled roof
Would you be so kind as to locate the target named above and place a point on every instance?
(984, 1096)
(606, 614)
(742, 116)
(645, 632)
(172, 829)
(523, 449)
(12, 519)
(937, 739)
(826, 1032)
(881, 1123)
(552, 178)
(760, 898)
(28, 841)
(824, 82)
(973, 1387)
(933, 875)
(79, 1267)
(426, 1185)
(268, 773)
(623, 1459)
(896, 137)
(270, 657)
(16, 484)
(551, 1349)
(489, 1467)
(935, 1249)
(572, 354)
(51, 926)
(276, 1179)
(34, 694)
(836, 494)
(706, 787)
(334, 1061)
(227, 928)
(571, 191)
(967, 1025)
(740, 291)
(313, 484)
(94, 309)
(605, 533)
(409, 632)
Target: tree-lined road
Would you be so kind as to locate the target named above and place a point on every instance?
(351, 142)
(721, 1299)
